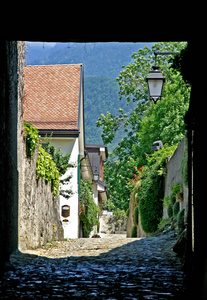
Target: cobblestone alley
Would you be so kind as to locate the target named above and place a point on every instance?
(112, 267)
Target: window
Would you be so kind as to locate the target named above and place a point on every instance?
(65, 211)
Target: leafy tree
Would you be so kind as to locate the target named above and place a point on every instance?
(147, 122)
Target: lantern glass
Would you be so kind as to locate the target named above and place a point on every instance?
(155, 87)
(155, 81)
(95, 176)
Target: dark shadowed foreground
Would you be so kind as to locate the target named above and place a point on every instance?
(107, 268)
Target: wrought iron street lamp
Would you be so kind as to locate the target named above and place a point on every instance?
(155, 79)
(95, 173)
(155, 82)
(95, 176)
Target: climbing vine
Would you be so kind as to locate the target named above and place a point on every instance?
(150, 191)
(50, 163)
(47, 169)
(62, 164)
(31, 136)
(88, 208)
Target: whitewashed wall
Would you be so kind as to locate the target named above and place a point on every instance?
(72, 146)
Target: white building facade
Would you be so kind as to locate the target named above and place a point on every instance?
(54, 105)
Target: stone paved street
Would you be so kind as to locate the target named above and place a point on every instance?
(112, 267)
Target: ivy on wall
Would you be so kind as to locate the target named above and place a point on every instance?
(31, 136)
(47, 169)
(50, 163)
(150, 192)
(88, 208)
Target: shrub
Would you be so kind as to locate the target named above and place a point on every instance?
(136, 215)
(176, 188)
(150, 199)
(151, 190)
(181, 225)
(176, 208)
(173, 198)
(170, 210)
(166, 201)
(134, 231)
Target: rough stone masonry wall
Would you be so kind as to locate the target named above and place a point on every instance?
(174, 174)
(38, 211)
(130, 221)
(39, 219)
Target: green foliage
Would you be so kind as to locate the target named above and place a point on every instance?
(176, 208)
(61, 161)
(62, 164)
(151, 191)
(150, 199)
(146, 122)
(166, 201)
(163, 223)
(176, 188)
(134, 231)
(46, 168)
(172, 198)
(88, 209)
(136, 215)
(117, 175)
(31, 136)
(170, 210)
(181, 223)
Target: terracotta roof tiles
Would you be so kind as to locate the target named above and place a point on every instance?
(52, 96)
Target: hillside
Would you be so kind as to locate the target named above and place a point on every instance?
(102, 63)
(101, 95)
(98, 58)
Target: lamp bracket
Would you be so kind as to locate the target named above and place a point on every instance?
(163, 53)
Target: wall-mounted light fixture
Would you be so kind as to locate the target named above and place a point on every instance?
(155, 79)
(95, 173)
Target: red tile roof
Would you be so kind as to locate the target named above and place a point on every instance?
(52, 96)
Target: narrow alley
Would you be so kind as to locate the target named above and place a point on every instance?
(104, 268)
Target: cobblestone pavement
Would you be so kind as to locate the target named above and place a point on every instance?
(107, 268)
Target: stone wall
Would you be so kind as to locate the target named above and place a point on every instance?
(130, 221)
(174, 174)
(111, 224)
(38, 210)
(39, 219)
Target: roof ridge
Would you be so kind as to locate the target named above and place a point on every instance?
(78, 64)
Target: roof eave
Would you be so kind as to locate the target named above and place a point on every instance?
(59, 133)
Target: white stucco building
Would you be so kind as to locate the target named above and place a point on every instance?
(54, 105)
